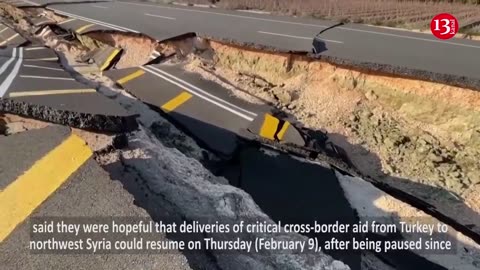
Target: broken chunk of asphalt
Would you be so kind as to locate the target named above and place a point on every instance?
(79, 26)
(104, 57)
(9, 37)
(361, 66)
(36, 86)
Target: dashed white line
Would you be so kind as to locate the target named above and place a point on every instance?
(228, 15)
(408, 37)
(4, 29)
(40, 67)
(201, 93)
(298, 37)
(305, 24)
(158, 16)
(8, 81)
(46, 78)
(99, 6)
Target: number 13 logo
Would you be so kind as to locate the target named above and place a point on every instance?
(444, 26)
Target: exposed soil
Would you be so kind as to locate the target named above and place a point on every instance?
(12, 13)
(13, 124)
(137, 48)
(41, 12)
(399, 130)
(322, 96)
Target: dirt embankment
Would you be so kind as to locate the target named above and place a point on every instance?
(137, 48)
(424, 132)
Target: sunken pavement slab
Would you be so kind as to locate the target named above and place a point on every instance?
(33, 84)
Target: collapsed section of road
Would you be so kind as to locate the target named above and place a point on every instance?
(206, 110)
(33, 84)
(9, 37)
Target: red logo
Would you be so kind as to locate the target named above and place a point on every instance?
(444, 26)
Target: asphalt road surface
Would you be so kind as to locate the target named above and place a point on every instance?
(88, 192)
(32, 77)
(350, 41)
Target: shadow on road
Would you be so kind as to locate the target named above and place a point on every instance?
(285, 188)
(3, 127)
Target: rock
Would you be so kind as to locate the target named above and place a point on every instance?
(455, 174)
(291, 106)
(282, 95)
(444, 168)
(454, 184)
(423, 149)
(474, 177)
(370, 95)
(378, 137)
(389, 143)
(434, 158)
(366, 114)
(200, 44)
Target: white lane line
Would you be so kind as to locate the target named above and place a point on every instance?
(4, 29)
(228, 15)
(112, 26)
(305, 24)
(46, 78)
(298, 37)
(40, 67)
(42, 59)
(32, 3)
(408, 37)
(158, 16)
(202, 94)
(35, 48)
(8, 81)
(7, 63)
(203, 91)
(50, 92)
(99, 6)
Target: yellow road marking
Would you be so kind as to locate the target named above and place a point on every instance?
(22, 197)
(281, 133)
(50, 92)
(109, 59)
(130, 77)
(176, 101)
(10, 38)
(83, 28)
(66, 21)
(269, 127)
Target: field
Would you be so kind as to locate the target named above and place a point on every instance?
(406, 14)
